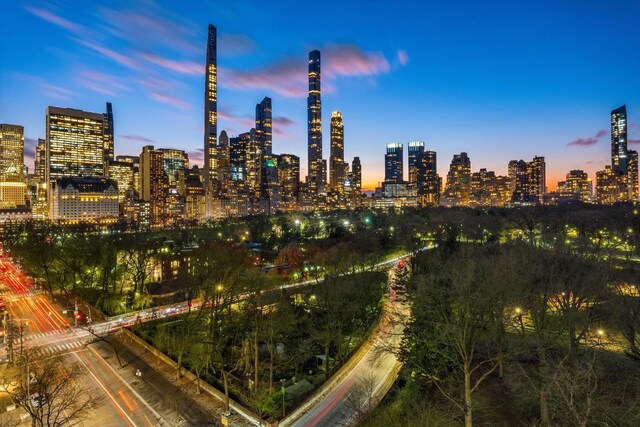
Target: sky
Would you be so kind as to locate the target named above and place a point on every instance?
(500, 80)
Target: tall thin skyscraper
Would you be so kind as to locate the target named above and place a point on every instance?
(153, 182)
(315, 178)
(40, 160)
(336, 158)
(108, 135)
(619, 140)
(393, 164)
(263, 126)
(211, 154)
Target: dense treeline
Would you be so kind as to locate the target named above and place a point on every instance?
(533, 331)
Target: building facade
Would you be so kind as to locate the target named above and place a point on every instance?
(337, 172)
(316, 175)
(84, 200)
(394, 164)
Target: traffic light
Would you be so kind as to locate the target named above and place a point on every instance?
(78, 316)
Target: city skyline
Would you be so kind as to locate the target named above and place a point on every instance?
(381, 77)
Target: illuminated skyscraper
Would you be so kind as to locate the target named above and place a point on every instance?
(336, 158)
(253, 163)
(289, 176)
(316, 177)
(528, 180)
(13, 188)
(122, 174)
(611, 187)
(74, 144)
(11, 153)
(356, 173)
(264, 126)
(174, 161)
(458, 186)
(238, 157)
(108, 134)
(153, 183)
(135, 161)
(40, 160)
(577, 187)
(428, 181)
(211, 149)
(393, 163)
(619, 140)
(416, 152)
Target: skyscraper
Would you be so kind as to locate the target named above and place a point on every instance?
(393, 163)
(289, 176)
(12, 180)
(211, 151)
(336, 158)
(108, 134)
(263, 126)
(428, 181)
(238, 157)
(153, 183)
(174, 161)
(528, 180)
(356, 172)
(315, 178)
(11, 153)
(40, 160)
(458, 186)
(416, 152)
(74, 144)
(619, 140)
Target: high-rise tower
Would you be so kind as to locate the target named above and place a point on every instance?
(108, 134)
(336, 159)
(263, 126)
(315, 171)
(393, 163)
(211, 155)
(416, 153)
(619, 140)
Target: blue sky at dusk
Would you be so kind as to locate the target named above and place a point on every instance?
(500, 80)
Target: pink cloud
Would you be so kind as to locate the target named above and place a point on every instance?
(583, 142)
(351, 60)
(170, 100)
(633, 141)
(288, 76)
(283, 121)
(55, 19)
(403, 57)
(587, 142)
(101, 83)
(182, 67)
(111, 54)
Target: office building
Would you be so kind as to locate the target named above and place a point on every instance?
(74, 144)
(611, 187)
(429, 182)
(619, 158)
(153, 183)
(576, 188)
(122, 173)
(289, 178)
(11, 153)
(393, 164)
(174, 161)
(416, 152)
(264, 126)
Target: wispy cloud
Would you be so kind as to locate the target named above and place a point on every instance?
(137, 138)
(196, 156)
(403, 57)
(118, 57)
(288, 76)
(182, 67)
(101, 83)
(589, 141)
(169, 99)
(55, 19)
(54, 91)
(633, 141)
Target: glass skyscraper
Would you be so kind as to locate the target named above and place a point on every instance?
(211, 154)
(619, 140)
(337, 172)
(393, 164)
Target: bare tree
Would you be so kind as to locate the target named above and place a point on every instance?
(360, 399)
(50, 393)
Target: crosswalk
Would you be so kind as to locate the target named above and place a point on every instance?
(50, 350)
